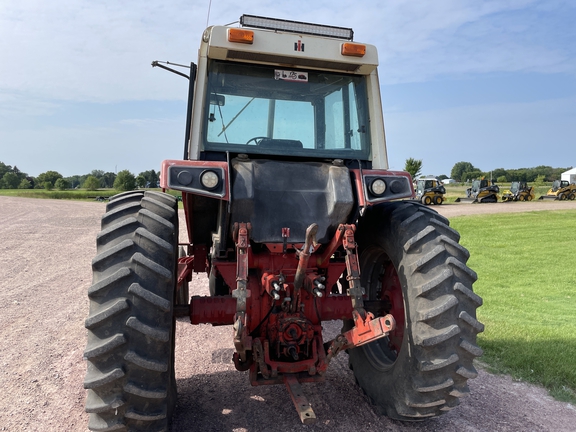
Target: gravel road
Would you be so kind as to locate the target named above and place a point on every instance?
(46, 247)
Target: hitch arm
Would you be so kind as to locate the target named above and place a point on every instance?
(365, 330)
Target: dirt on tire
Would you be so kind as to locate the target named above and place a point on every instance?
(46, 249)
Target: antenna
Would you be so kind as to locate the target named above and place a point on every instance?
(208, 17)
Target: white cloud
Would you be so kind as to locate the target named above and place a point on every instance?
(101, 51)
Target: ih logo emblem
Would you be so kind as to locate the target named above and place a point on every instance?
(298, 46)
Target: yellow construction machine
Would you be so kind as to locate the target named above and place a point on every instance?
(481, 192)
(560, 190)
(429, 190)
(519, 191)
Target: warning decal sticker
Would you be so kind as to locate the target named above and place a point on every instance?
(291, 75)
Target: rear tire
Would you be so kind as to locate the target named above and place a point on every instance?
(130, 351)
(571, 197)
(426, 200)
(437, 200)
(411, 261)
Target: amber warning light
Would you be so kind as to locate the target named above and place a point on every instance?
(353, 49)
(240, 35)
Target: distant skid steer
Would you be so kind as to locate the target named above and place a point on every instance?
(480, 192)
(560, 190)
(519, 191)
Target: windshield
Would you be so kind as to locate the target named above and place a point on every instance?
(514, 187)
(274, 110)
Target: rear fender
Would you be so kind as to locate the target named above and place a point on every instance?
(186, 176)
(398, 185)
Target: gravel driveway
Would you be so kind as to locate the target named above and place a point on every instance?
(46, 247)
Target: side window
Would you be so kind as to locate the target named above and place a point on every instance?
(334, 120)
(343, 130)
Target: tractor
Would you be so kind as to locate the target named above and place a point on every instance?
(293, 215)
(560, 190)
(519, 191)
(430, 190)
(481, 191)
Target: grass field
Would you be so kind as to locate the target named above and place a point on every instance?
(527, 277)
(74, 194)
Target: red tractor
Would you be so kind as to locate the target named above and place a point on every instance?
(293, 213)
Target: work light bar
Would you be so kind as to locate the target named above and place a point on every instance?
(296, 27)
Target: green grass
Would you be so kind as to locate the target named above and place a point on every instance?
(527, 277)
(73, 194)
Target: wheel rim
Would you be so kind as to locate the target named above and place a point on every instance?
(383, 284)
(392, 293)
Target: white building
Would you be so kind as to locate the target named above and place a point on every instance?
(569, 176)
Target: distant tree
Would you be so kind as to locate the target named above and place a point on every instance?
(97, 173)
(472, 175)
(413, 166)
(47, 185)
(125, 181)
(459, 169)
(502, 179)
(4, 169)
(107, 180)
(91, 183)
(74, 180)
(25, 184)
(500, 172)
(32, 181)
(539, 181)
(442, 177)
(50, 177)
(140, 181)
(10, 181)
(151, 177)
(62, 184)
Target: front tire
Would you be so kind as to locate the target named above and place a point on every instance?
(130, 351)
(414, 268)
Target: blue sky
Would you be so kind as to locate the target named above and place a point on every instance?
(487, 82)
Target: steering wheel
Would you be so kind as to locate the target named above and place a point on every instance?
(256, 139)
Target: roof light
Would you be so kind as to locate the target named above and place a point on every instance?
(240, 35)
(297, 27)
(352, 49)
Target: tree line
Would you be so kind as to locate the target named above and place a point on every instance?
(465, 172)
(13, 178)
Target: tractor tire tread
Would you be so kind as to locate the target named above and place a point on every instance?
(130, 375)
